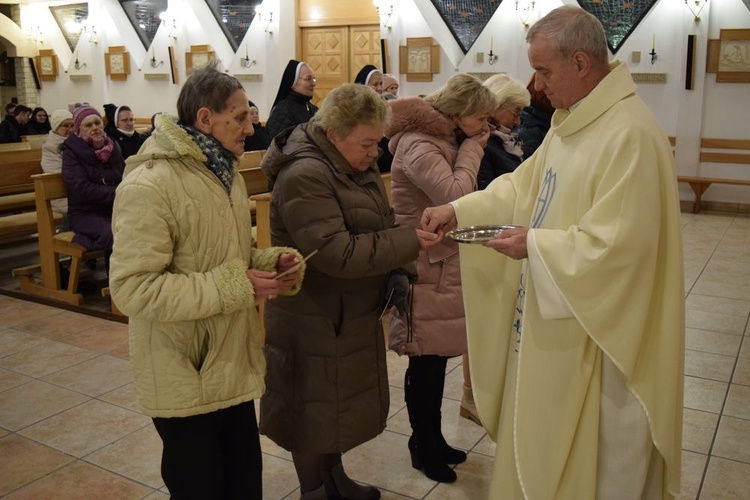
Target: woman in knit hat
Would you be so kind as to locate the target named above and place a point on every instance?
(92, 168)
(292, 105)
(390, 87)
(61, 122)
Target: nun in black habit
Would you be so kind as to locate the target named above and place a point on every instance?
(292, 105)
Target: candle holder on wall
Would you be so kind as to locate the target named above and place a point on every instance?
(653, 55)
(491, 58)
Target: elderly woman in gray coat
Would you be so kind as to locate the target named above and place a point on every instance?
(327, 384)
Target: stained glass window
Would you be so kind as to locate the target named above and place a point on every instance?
(234, 17)
(619, 18)
(70, 20)
(144, 16)
(466, 18)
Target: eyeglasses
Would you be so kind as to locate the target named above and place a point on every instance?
(309, 79)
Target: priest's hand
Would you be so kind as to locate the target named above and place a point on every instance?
(510, 242)
(439, 219)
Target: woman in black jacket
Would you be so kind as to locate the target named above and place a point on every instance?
(292, 105)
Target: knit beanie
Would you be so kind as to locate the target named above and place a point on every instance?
(59, 116)
(389, 80)
(81, 114)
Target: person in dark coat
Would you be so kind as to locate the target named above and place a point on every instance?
(535, 120)
(372, 77)
(327, 381)
(260, 139)
(13, 127)
(504, 151)
(292, 105)
(39, 123)
(121, 128)
(92, 168)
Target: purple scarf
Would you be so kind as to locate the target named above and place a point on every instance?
(102, 148)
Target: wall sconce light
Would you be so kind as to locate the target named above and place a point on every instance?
(268, 17)
(246, 61)
(491, 58)
(699, 6)
(36, 34)
(78, 65)
(90, 28)
(154, 63)
(525, 10)
(384, 16)
(165, 18)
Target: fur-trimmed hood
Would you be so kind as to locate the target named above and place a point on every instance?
(413, 114)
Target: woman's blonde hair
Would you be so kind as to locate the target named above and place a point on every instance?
(509, 92)
(350, 105)
(463, 95)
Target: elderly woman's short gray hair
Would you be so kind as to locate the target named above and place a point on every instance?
(509, 92)
(350, 105)
(206, 87)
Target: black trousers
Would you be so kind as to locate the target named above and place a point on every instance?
(212, 456)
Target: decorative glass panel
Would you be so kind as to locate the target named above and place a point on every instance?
(466, 18)
(234, 17)
(618, 18)
(70, 19)
(144, 16)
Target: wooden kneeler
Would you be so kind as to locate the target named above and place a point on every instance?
(48, 187)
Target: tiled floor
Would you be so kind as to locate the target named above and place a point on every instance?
(70, 427)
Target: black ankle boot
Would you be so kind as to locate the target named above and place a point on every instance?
(432, 466)
(449, 455)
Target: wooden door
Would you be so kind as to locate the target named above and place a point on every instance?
(337, 53)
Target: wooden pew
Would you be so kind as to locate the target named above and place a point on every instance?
(52, 245)
(733, 151)
(17, 200)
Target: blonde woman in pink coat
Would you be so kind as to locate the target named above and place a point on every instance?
(438, 143)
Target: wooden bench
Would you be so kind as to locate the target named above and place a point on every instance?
(52, 245)
(17, 200)
(708, 154)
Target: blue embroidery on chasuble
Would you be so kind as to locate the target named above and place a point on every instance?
(543, 202)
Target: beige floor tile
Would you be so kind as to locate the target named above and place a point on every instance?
(6, 301)
(94, 376)
(745, 348)
(136, 456)
(397, 402)
(124, 396)
(454, 384)
(86, 428)
(741, 372)
(105, 337)
(13, 341)
(733, 439)
(60, 325)
(486, 446)
(707, 303)
(279, 477)
(384, 462)
(20, 311)
(726, 480)
(29, 403)
(710, 366)
(50, 357)
(474, 478)
(4, 432)
(121, 351)
(715, 322)
(270, 448)
(693, 465)
(30, 461)
(698, 430)
(397, 366)
(78, 477)
(738, 402)
(704, 395)
(720, 288)
(157, 495)
(713, 342)
(9, 379)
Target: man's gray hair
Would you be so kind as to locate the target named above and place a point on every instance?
(572, 30)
